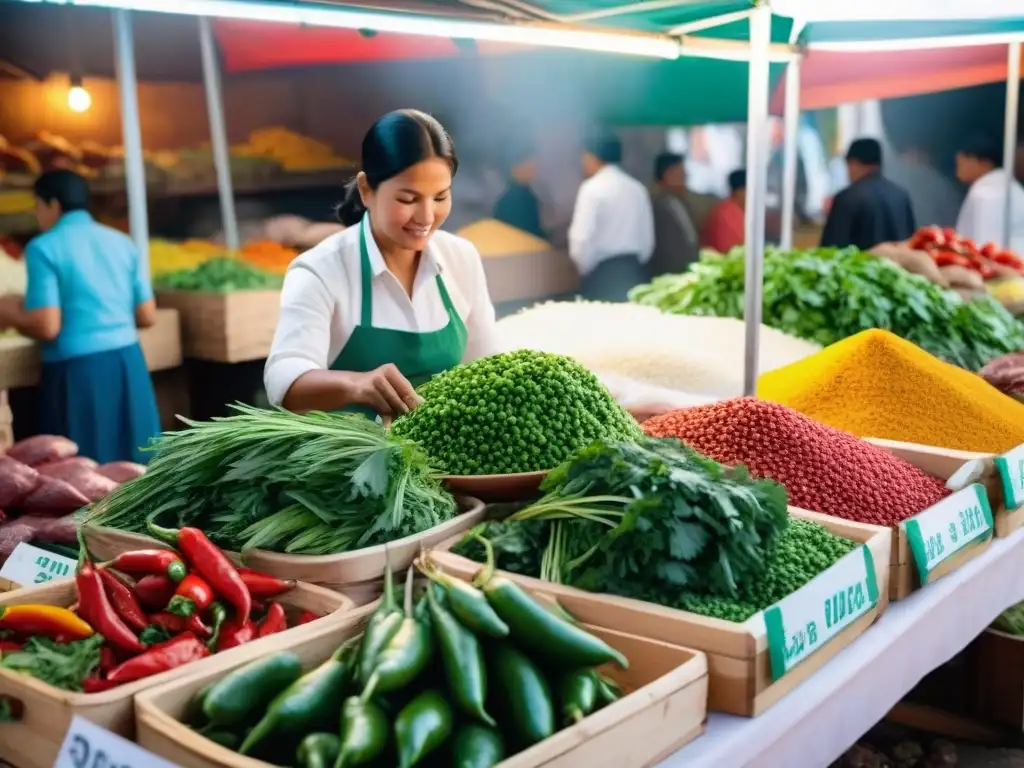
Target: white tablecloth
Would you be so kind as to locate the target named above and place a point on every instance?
(826, 714)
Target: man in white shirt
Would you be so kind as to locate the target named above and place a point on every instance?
(982, 214)
(611, 237)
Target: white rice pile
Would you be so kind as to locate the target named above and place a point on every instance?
(699, 355)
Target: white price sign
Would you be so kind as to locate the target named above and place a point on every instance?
(1011, 472)
(89, 746)
(943, 529)
(30, 565)
(804, 621)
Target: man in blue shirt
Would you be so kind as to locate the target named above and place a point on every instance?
(88, 292)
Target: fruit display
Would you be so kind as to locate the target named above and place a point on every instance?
(294, 152)
(514, 412)
(462, 675)
(947, 248)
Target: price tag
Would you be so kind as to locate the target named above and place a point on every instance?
(943, 529)
(30, 565)
(86, 745)
(804, 621)
(1011, 471)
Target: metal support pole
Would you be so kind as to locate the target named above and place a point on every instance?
(218, 133)
(790, 153)
(757, 187)
(1010, 135)
(134, 163)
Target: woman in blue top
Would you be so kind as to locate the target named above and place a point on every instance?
(88, 291)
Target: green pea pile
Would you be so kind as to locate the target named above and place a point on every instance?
(521, 411)
(805, 549)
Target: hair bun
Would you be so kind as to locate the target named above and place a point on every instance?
(351, 209)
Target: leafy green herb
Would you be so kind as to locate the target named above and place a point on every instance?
(313, 483)
(219, 275)
(62, 665)
(825, 295)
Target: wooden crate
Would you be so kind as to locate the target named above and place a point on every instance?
(34, 741)
(356, 574)
(225, 327)
(943, 463)
(738, 661)
(664, 709)
(997, 662)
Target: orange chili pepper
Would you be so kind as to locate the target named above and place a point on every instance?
(47, 620)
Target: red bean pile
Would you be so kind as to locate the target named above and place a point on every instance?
(823, 469)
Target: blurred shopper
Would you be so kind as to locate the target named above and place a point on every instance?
(935, 197)
(518, 205)
(978, 164)
(671, 179)
(611, 237)
(872, 209)
(725, 228)
(675, 234)
(88, 291)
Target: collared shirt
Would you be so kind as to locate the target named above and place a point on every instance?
(94, 275)
(725, 227)
(981, 217)
(321, 302)
(613, 217)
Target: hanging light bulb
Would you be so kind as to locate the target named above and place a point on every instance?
(79, 99)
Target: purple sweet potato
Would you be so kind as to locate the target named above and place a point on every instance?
(17, 481)
(88, 482)
(56, 530)
(121, 471)
(58, 468)
(13, 533)
(42, 449)
(52, 498)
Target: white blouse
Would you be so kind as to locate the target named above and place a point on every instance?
(321, 303)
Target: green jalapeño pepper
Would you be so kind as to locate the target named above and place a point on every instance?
(527, 697)
(249, 689)
(408, 651)
(318, 750)
(463, 659)
(364, 730)
(466, 602)
(476, 746)
(423, 725)
(577, 695)
(381, 627)
(539, 630)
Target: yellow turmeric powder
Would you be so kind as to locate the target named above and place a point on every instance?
(875, 384)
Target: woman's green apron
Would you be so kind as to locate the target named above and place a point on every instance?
(418, 356)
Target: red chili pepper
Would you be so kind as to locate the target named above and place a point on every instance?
(172, 654)
(123, 600)
(96, 609)
(150, 562)
(168, 622)
(195, 625)
(233, 634)
(107, 658)
(154, 592)
(193, 595)
(275, 621)
(263, 585)
(305, 617)
(97, 685)
(9, 646)
(209, 562)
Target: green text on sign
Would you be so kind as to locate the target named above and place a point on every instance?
(943, 529)
(1011, 471)
(804, 621)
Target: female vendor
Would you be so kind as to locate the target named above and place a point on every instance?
(88, 291)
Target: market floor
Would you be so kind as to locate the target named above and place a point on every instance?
(887, 746)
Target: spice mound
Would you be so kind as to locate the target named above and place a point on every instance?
(875, 384)
(823, 469)
(522, 411)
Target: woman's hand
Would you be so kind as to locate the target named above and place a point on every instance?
(385, 390)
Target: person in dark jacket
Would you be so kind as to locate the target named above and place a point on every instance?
(518, 205)
(872, 209)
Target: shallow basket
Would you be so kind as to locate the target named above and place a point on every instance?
(35, 739)
(496, 488)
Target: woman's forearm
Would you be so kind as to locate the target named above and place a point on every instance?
(320, 391)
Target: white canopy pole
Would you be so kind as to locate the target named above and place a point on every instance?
(757, 187)
(1010, 134)
(791, 128)
(218, 133)
(134, 163)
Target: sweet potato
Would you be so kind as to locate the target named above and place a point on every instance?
(89, 483)
(17, 481)
(58, 468)
(56, 530)
(121, 471)
(52, 498)
(42, 449)
(12, 534)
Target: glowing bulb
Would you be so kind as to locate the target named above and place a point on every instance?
(79, 99)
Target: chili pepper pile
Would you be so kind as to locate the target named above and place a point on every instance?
(143, 613)
(466, 675)
(823, 469)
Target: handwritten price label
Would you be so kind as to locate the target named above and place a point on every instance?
(89, 746)
(803, 622)
(30, 565)
(944, 529)
(1011, 472)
